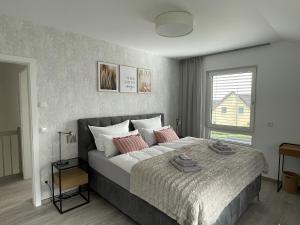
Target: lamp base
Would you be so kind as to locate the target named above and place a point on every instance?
(62, 162)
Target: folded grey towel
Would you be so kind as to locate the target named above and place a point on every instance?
(181, 162)
(184, 157)
(221, 152)
(221, 147)
(185, 169)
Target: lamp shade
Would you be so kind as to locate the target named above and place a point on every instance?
(174, 24)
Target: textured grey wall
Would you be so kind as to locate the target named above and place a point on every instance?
(67, 81)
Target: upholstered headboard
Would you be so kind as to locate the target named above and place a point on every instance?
(85, 137)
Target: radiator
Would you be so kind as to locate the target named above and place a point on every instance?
(10, 153)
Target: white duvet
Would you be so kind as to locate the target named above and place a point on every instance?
(128, 160)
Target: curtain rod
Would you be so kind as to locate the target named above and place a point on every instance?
(237, 49)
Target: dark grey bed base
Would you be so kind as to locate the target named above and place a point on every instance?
(136, 208)
(145, 214)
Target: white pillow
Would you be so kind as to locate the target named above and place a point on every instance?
(148, 135)
(120, 128)
(153, 123)
(109, 146)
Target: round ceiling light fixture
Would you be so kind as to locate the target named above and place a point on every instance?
(174, 24)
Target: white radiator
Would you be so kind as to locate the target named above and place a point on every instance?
(10, 153)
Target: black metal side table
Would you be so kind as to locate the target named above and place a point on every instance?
(72, 181)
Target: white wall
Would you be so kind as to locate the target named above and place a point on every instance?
(277, 95)
(67, 81)
(9, 91)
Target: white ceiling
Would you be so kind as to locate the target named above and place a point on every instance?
(219, 24)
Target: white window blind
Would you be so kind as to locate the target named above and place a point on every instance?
(231, 100)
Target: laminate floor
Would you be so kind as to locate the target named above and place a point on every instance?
(16, 209)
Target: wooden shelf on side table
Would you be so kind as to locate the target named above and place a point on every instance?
(71, 178)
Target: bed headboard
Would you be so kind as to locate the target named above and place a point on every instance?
(85, 137)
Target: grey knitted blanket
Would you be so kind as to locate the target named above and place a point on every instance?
(196, 198)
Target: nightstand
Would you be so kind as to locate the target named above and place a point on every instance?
(286, 149)
(72, 183)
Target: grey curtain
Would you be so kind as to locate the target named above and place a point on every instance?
(191, 94)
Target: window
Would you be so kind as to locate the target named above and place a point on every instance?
(230, 105)
(241, 110)
(224, 109)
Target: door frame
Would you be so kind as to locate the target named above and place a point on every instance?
(33, 116)
(25, 123)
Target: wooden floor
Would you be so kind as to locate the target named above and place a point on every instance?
(16, 209)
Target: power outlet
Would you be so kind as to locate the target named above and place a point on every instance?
(45, 181)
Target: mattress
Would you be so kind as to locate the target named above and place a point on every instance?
(99, 162)
(128, 160)
(118, 168)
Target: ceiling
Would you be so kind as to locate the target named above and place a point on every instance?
(219, 24)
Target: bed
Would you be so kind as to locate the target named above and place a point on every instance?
(112, 182)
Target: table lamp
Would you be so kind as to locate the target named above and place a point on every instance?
(70, 138)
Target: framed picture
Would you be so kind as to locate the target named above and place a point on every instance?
(128, 79)
(108, 77)
(144, 80)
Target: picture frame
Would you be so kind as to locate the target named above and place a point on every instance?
(128, 79)
(144, 80)
(108, 77)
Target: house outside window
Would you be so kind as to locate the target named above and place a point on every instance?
(230, 105)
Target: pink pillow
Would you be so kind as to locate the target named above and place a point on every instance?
(130, 143)
(165, 135)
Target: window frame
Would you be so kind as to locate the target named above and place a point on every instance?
(225, 128)
(232, 132)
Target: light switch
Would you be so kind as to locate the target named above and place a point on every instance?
(270, 124)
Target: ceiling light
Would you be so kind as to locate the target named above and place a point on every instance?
(174, 24)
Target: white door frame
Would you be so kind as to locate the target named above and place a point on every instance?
(25, 123)
(33, 116)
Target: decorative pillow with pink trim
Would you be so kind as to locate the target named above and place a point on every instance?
(148, 135)
(130, 143)
(165, 135)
